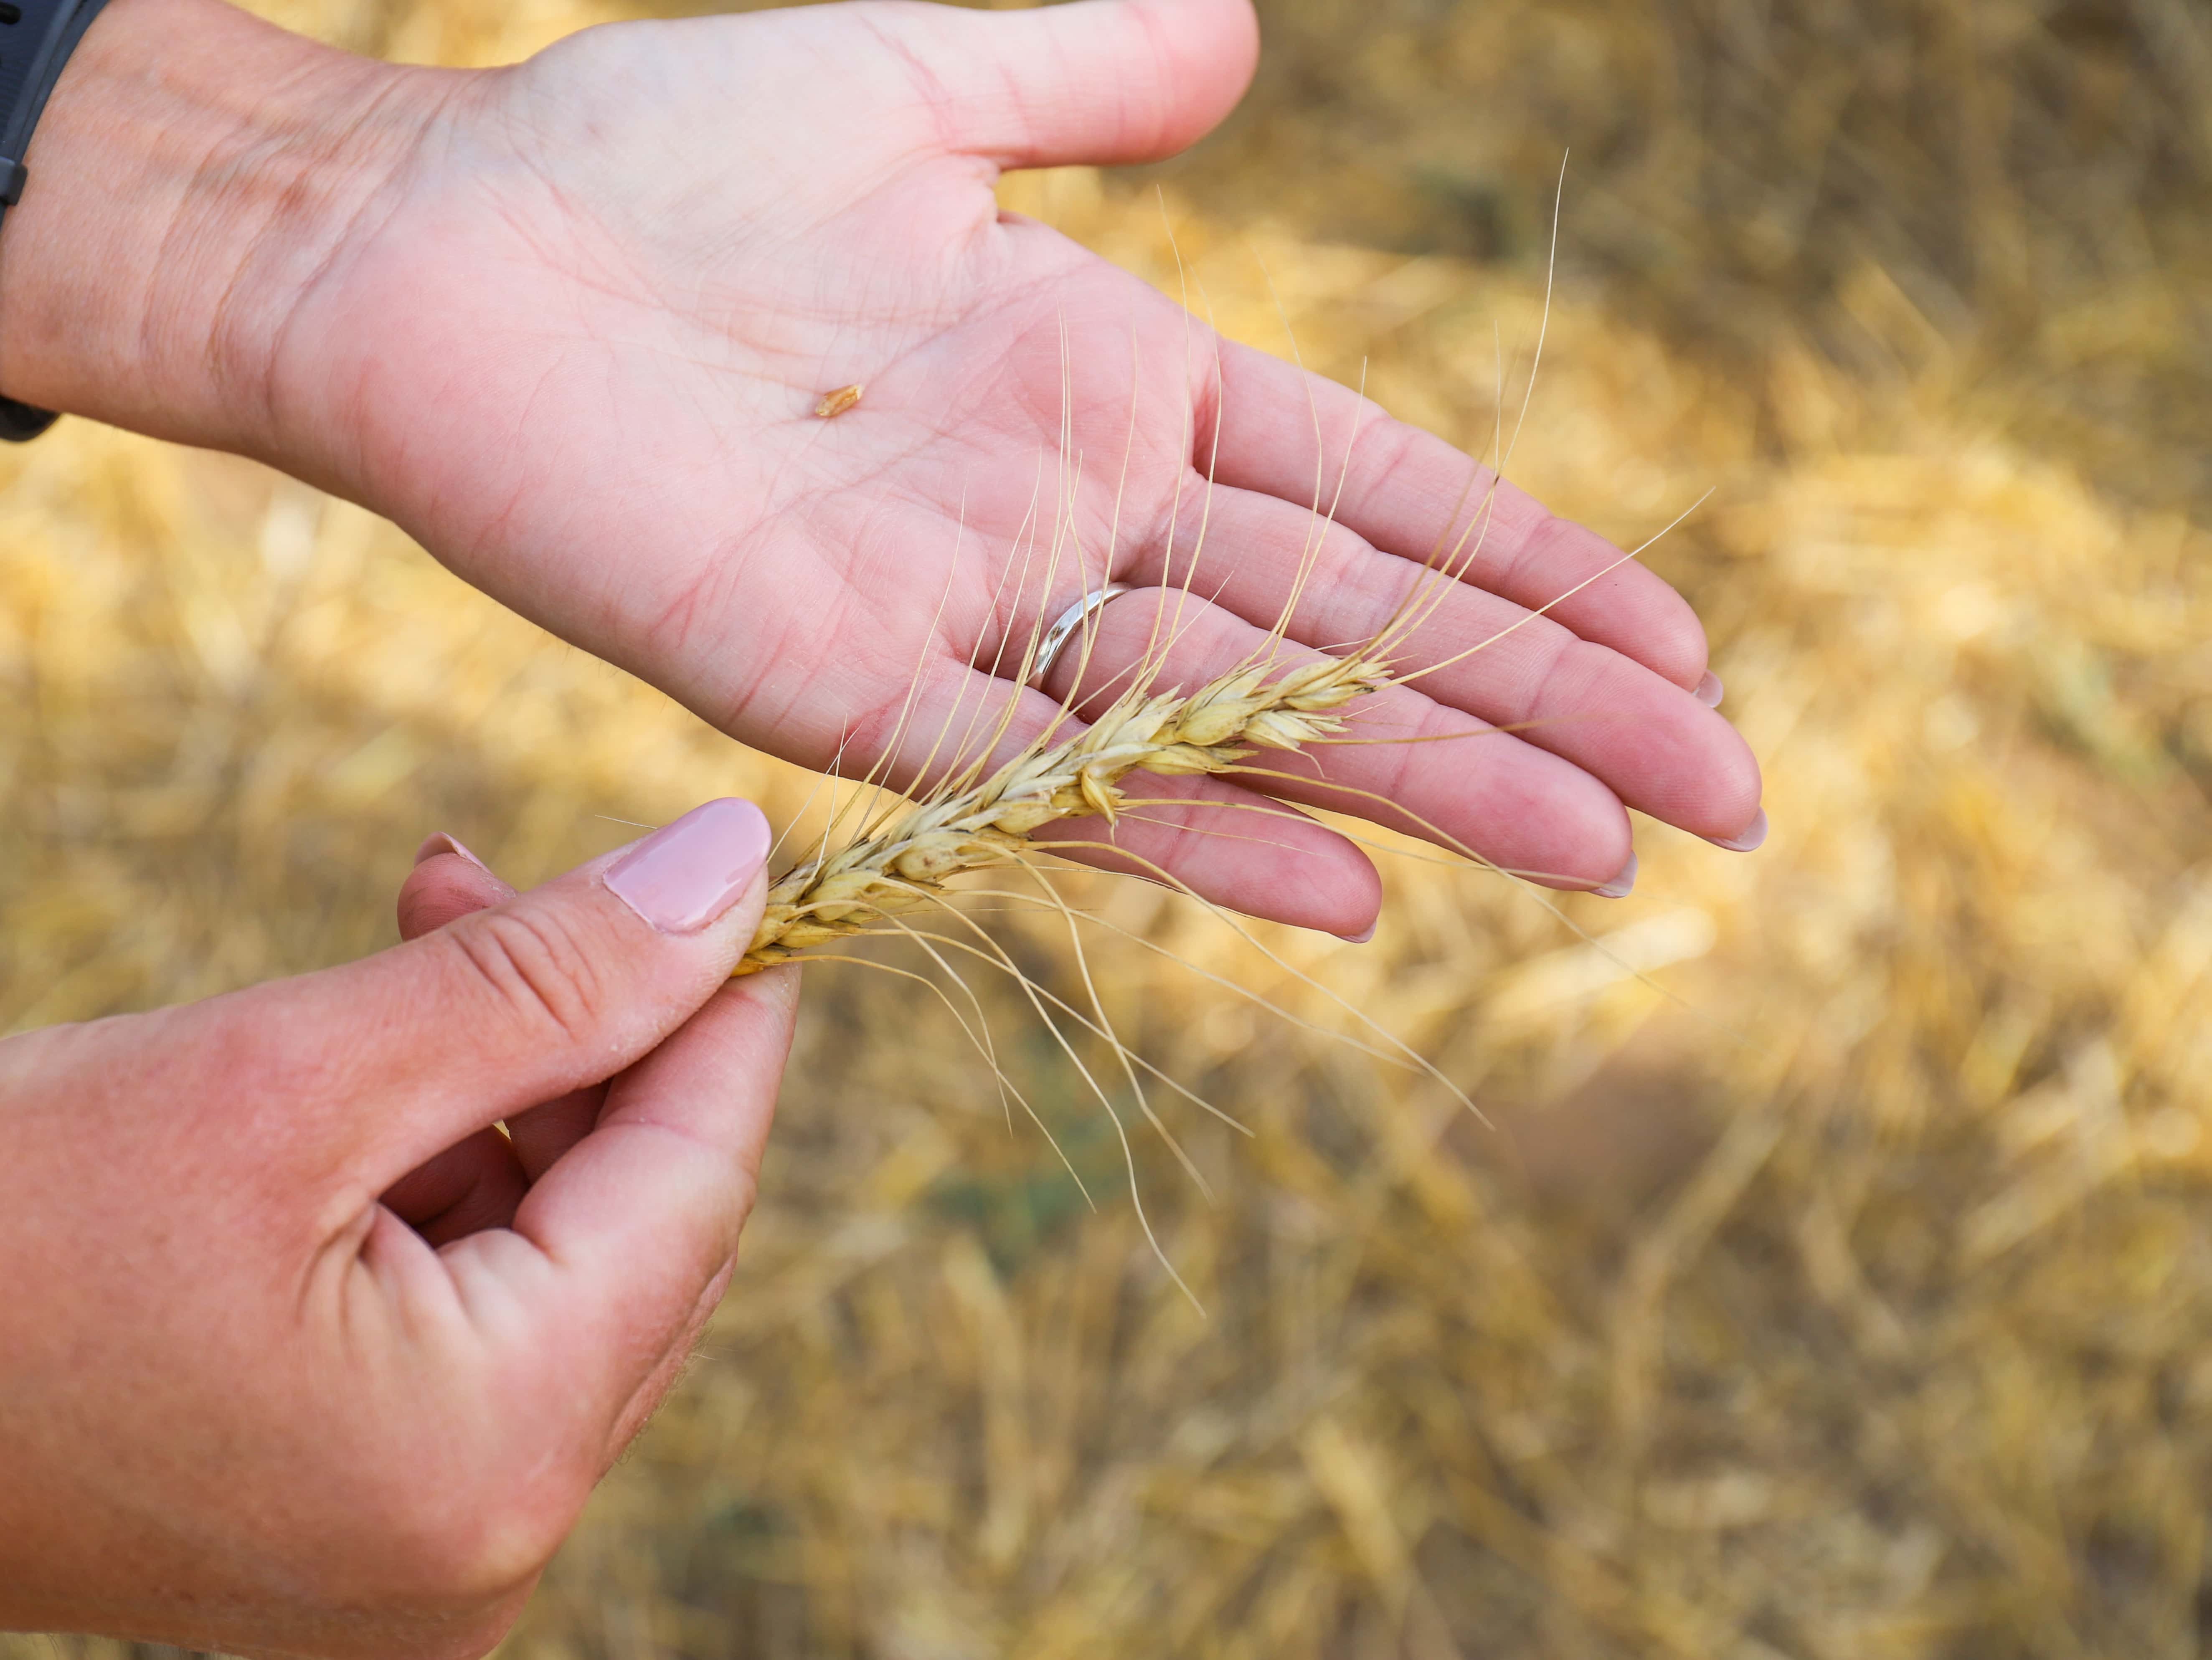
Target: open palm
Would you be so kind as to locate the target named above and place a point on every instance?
(576, 347)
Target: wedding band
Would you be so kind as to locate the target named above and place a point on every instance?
(1063, 629)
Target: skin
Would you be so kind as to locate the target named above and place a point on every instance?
(567, 323)
(299, 1272)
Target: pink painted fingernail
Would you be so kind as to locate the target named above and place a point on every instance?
(1620, 886)
(437, 842)
(1750, 839)
(1709, 690)
(686, 874)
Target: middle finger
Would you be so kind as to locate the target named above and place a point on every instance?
(1653, 745)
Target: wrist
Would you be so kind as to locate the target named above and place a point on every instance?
(193, 171)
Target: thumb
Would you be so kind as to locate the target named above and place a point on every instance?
(555, 988)
(1098, 81)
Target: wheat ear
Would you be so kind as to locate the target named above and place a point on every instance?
(905, 863)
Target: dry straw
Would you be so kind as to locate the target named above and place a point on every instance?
(1932, 1378)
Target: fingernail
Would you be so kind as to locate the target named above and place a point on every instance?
(438, 843)
(1709, 690)
(686, 874)
(1360, 939)
(1750, 839)
(1620, 885)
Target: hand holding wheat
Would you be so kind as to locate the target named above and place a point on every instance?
(305, 1355)
(568, 323)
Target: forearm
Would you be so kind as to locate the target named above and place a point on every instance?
(194, 170)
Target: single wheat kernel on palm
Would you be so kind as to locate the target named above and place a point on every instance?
(906, 864)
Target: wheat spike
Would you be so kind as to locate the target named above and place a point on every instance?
(906, 863)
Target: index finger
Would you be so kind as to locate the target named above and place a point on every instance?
(641, 1219)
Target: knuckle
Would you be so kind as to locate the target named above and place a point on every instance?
(1536, 544)
(473, 1556)
(539, 968)
(1560, 671)
(461, 1552)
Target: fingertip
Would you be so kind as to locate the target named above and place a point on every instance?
(1353, 895)
(1662, 630)
(696, 871)
(1106, 82)
(1227, 52)
(1748, 840)
(1193, 59)
(1338, 890)
(437, 842)
(447, 883)
(1622, 885)
(1727, 804)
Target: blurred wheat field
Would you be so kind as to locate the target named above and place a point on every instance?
(1850, 1297)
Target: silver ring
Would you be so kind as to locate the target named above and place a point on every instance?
(1063, 629)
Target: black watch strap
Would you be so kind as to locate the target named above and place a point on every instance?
(36, 38)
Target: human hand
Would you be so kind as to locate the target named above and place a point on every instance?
(567, 323)
(248, 1404)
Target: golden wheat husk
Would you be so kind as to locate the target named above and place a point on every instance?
(907, 863)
